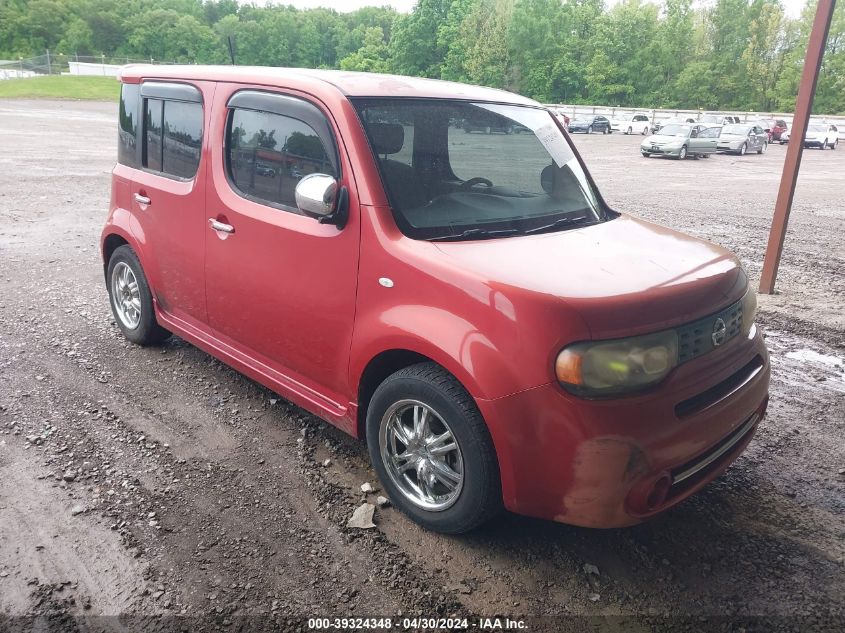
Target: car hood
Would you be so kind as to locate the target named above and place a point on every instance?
(732, 137)
(624, 276)
(663, 138)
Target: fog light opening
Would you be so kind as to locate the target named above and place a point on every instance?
(657, 494)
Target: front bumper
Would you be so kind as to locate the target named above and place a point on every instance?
(660, 151)
(733, 146)
(615, 462)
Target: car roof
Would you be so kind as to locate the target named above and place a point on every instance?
(350, 84)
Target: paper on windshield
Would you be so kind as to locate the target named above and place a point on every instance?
(547, 133)
(551, 138)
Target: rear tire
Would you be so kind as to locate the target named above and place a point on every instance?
(429, 386)
(835, 143)
(131, 300)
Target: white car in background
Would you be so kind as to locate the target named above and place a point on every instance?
(635, 123)
(821, 135)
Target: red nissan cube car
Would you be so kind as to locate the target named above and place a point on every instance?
(467, 303)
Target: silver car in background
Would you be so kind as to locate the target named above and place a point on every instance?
(743, 138)
(679, 140)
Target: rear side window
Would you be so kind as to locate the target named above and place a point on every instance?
(172, 137)
(172, 134)
(267, 154)
(127, 134)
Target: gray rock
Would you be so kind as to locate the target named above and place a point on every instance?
(381, 502)
(591, 569)
(69, 475)
(362, 518)
(366, 487)
(77, 509)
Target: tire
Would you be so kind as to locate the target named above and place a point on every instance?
(630, 131)
(823, 146)
(590, 129)
(645, 130)
(835, 143)
(645, 154)
(127, 303)
(743, 149)
(763, 148)
(683, 153)
(478, 497)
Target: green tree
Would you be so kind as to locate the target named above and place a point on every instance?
(373, 56)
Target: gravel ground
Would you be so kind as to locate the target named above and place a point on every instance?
(154, 483)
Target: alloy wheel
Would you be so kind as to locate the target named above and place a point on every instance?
(126, 296)
(421, 455)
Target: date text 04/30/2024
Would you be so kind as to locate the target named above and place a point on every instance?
(416, 624)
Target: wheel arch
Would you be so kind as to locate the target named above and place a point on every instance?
(111, 243)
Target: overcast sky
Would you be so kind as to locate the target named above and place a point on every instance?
(792, 7)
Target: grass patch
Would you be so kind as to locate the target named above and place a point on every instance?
(61, 87)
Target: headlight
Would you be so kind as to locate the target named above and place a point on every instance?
(619, 366)
(749, 311)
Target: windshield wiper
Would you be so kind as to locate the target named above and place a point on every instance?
(557, 224)
(473, 233)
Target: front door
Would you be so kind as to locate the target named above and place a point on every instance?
(168, 195)
(281, 286)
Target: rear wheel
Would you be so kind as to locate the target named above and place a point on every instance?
(645, 154)
(131, 300)
(645, 130)
(823, 146)
(835, 143)
(432, 450)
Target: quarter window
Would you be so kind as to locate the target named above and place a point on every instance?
(127, 140)
(267, 154)
(172, 137)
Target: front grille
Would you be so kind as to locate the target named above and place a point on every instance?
(696, 339)
(734, 383)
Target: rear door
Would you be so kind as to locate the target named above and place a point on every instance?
(168, 194)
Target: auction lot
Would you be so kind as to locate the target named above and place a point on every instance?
(156, 482)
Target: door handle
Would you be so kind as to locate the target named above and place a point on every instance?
(220, 226)
(142, 200)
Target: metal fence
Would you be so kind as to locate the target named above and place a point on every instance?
(60, 64)
(656, 115)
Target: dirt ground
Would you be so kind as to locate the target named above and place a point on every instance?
(160, 486)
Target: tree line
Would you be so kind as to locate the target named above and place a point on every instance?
(731, 54)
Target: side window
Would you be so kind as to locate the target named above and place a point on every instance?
(267, 154)
(153, 111)
(127, 133)
(172, 137)
(182, 138)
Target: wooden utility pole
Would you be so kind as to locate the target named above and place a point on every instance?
(795, 149)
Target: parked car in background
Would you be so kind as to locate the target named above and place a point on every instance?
(784, 136)
(776, 128)
(822, 135)
(491, 126)
(679, 140)
(636, 123)
(718, 119)
(743, 138)
(687, 120)
(589, 124)
(431, 307)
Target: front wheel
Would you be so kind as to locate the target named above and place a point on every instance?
(629, 131)
(645, 154)
(743, 149)
(131, 299)
(683, 153)
(763, 148)
(432, 450)
(590, 130)
(823, 146)
(645, 130)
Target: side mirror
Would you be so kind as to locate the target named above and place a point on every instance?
(315, 195)
(318, 196)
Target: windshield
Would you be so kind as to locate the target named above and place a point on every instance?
(673, 129)
(817, 128)
(460, 170)
(739, 130)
